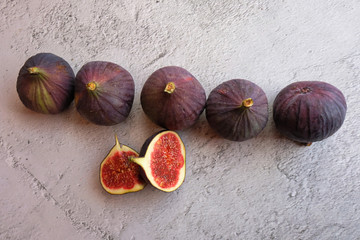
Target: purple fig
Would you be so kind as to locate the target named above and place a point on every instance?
(309, 111)
(104, 92)
(237, 109)
(46, 83)
(173, 98)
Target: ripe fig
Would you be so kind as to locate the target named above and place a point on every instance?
(162, 158)
(119, 175)
(309, 111)
(237, 109)
(173, 98)
(104, 92)
(46, 83)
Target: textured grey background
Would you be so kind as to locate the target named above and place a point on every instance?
(265, 188)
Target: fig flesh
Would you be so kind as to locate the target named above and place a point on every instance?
(237, 109)
(119, 175)
(46, 83)
(173, 98)
(104, 92)
(309, 111)
(162, 159)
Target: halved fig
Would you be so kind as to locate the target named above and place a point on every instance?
(119, 175)
(162, 158)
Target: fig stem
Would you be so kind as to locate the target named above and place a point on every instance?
(137, 160)
(117, 142)
(33, 70)
(91, 86)
(247, 103)
(170, 87)
(305, 90)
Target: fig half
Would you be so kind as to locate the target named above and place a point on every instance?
(119, 175)
(46, 83)
(162, 158)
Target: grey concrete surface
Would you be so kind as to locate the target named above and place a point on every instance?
(264, 188)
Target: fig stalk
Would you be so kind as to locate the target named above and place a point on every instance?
(247, 103)
(33, 70)
(170, 87)
(91, 86)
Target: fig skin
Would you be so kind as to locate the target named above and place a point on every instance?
(45, 83)
(147, 160)
(237, 109)
(173, 98)
(309, 111)
(104, 92)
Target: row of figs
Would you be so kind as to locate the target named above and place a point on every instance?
(172, 98)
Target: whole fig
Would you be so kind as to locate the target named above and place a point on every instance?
(46, 83)
(309, 111)
(173, 98)
(104, 92)
(237, 109)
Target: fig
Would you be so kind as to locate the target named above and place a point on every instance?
(46, 83)
(173, 98)
(104, 92)
(237, 109)
(162, 159)
(309, 111)
(119, 175)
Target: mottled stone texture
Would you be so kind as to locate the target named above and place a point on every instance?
(264, 188)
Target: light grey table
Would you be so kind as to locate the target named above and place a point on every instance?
(265, 188)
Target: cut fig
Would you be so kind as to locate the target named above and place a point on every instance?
(119, 175)
(162, 158)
